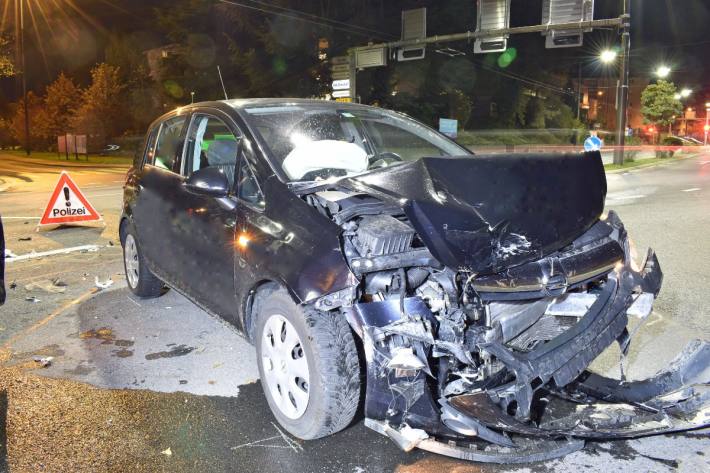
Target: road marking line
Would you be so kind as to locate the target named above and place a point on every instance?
(61, 251)
(21, 218)
(692, 189)
(51, 316)
(107, 195)
(623, 197)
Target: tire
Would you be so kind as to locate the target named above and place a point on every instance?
(141, 281)
(324, 339)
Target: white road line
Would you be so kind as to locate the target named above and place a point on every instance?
(21, 218)
(42, 254)
(692, 189)
(624, 197)
(106, 195)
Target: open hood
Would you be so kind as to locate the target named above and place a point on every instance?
(489, 212)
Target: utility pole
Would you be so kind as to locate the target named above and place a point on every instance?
(622, 96)
(23, 68)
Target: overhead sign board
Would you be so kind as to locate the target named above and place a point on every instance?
(342, 84)
(492, 15)
(340, 93)
(68, 205)
(373, 57)
(555, 12)
(339, 60)
(413, 27)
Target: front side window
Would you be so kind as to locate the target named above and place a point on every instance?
(150, 145)
(312, 142)
(169, 144)
(211, 143)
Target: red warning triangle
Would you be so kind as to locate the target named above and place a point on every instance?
(68, 205)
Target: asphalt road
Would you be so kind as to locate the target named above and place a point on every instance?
(165, 354)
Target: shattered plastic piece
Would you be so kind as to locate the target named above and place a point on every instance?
(43, 361)
(32, 299)
(103, 284)
(167, 452)
(642, 306)
(405, 359)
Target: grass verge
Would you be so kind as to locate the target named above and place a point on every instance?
(91, 159)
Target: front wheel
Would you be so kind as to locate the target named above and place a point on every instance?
(308, 365)
(141, 281)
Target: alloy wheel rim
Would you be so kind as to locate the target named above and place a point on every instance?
(285, 366)
(130, 256)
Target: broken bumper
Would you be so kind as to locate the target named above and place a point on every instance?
(552, 402)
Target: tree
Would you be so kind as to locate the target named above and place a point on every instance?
(7, 68)
(61, 102)
(17, 123)
(102, 114)
(658, 103)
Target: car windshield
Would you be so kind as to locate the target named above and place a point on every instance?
(314, 142)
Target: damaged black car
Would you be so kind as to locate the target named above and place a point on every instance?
(373, 261)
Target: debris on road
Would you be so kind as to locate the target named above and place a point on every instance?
(54, 286)
(103, 284)
(43, 361)
(32, 299)
(9, 254)
(13, 285)
(29, 238)
(167, 452)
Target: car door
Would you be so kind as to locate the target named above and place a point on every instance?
(158, 186)
(204, 226)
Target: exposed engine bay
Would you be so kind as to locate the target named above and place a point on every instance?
(479, 321)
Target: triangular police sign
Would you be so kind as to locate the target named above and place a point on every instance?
(68, 205)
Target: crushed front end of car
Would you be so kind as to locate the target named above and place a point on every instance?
(485, 288)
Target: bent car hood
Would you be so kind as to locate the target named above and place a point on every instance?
(489, 212)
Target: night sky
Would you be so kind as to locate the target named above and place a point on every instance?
(673, 32)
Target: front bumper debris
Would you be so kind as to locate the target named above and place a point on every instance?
(547, 403)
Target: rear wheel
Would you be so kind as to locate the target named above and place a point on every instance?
(141, 281)
(308, 364)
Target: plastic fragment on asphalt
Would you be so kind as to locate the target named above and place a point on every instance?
(167, 452)
(32, 299)
(103, 284)
(43, 361)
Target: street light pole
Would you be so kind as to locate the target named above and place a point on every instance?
(623, 92)
(24, 77)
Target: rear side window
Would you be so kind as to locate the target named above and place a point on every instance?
(168, 145)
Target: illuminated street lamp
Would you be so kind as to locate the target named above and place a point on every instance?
(663, 71)
(685, 93)
(607, 56)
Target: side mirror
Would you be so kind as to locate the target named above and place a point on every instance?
(209, 181)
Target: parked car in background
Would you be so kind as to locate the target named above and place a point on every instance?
(362, 252)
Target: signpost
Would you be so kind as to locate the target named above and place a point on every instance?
(593, 143)
(449, 127)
